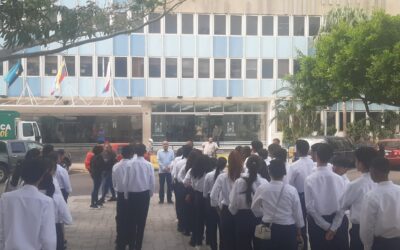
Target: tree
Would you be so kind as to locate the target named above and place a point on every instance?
(354, 60)
(27, 24)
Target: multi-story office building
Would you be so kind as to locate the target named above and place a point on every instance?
(209, 63)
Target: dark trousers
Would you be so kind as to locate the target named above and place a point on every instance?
(65, 194)
(165, 177)
(245, 224)
(283, 237)
(381, 243)
(121, 219)
(179, 204)
(228, 229)
(138, 207)
(212, 223)
(199, 213)
(304, 229)
(317, 235)
(96, 186)
(107, 185)
(355, 240)
(188, 211)
(60, 236)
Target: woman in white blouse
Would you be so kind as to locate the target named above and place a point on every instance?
(195, 177)
(240, 198)
(279, 206)
(212, 217)
(219, 197)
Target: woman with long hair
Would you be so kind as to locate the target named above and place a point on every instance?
(195, 178)
(212, 217)
(188, 205)
(220, 197)
(240, 198)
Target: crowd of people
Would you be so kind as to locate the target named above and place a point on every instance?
(33, 208)
(255, 199)
(252, 200)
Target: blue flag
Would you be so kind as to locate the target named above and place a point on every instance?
(13, 73)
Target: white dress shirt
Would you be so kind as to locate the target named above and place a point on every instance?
(209, 148)
(195, 183)
(237, 196)
(56, 186)
(208, 183)
(63, 179)
(61, 210)
(219, 195)
(27, 220)
(118, 174)
(177, 168)
(139, 176)
(173, 165)
(299, 171)
(287, 211)
(182, 174)
(165, 159)
(354, 194)
(380, 213)
(323, 190)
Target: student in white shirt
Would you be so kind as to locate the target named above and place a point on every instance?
(212, 217)
(322, 190)
(380, 212)
(139, 185)
(122, 216)
(63, 176)
(219, 197)
(27, 217)
(281, 154)
(240, 199)
(179, 188)
(189, 194)
(195, 178)
(355, 192)
(63, 215)
(279, 206)
(298, 172)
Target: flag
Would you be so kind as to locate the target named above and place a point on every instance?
(13, 73)
(61, 74)
(108, 78)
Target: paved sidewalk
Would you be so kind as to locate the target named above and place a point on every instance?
(95, 228)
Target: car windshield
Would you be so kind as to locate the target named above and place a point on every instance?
(391, 144)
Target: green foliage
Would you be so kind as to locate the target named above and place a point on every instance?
(354, 60)
(26, 24)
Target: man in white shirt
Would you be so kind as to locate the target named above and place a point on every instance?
(210, 148)
(139, 185)
(121, 218)
(380, 213)
(62, 177)
(323, 189)
(298, 172)
(27, 217)
(355, 192)
(165, 156)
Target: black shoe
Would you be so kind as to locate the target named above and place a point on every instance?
(112, 199)
(161, 202)
(170, 202)
(180, 230)
(186, 233)
(94, 206)
(191, 243)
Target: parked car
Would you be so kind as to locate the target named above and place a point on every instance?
(12, 152)
(391, 149)
(342, 146)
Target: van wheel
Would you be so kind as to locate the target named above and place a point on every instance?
(3, 173)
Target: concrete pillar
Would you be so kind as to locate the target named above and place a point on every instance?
(146, 120)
